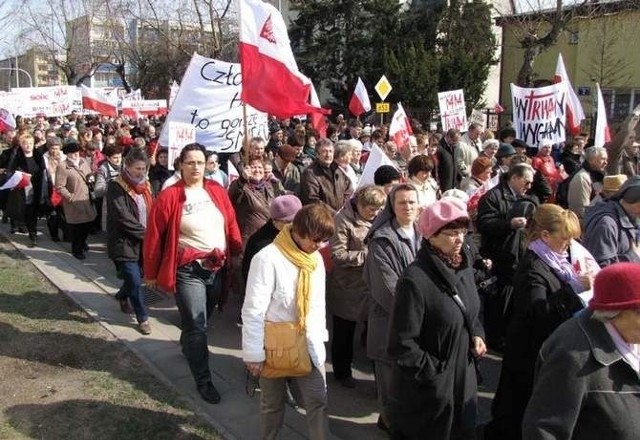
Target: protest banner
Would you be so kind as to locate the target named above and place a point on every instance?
(136, 108)
(209, 99)
(180, 134)
(453, 113)
(49, 101)
(539, 114)
(479, 118)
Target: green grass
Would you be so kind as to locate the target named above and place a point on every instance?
(65, 377)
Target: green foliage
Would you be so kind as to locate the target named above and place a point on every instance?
(428, 48)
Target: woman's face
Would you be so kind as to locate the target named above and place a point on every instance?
(485, 175)
(255, 171)
(491, 151)
(212, 164)
(74, 156)
(432, 148)
(368, 212)
(449, 241)
(115, 160)
(27, 145)
(556, 241)
(137, 169)
(163, 159)
(405, 207)
(356, 155)
(192, 167)
(54, 151)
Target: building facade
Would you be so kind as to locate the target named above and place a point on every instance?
(34, 68)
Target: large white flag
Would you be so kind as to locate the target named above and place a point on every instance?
(376, 159)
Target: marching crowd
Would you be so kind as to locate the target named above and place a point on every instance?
(463, 242)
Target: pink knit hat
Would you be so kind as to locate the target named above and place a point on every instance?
(617, 287)
(439, 214)
(284, 208)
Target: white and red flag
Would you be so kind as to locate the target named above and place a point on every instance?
(7, 121)
(603, 134)
(18, 180)
(98, 102)
(271, 81)
(400, 129)
(472, 204)
(359, 102)
(318, 121)
(575, 112)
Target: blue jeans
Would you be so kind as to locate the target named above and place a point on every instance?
(196, 292)
(132, 287)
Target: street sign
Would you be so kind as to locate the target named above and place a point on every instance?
(383, 107)
(383, 87)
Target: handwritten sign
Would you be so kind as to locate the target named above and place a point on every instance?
(209, 100)
(539, 114)
(180, 134)
(479, 118)
(137, 108)
(47, 101)
(452, 110)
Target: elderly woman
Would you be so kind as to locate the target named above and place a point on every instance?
(287, 285)
(489, 149)
(545, 294)
(128, 204)
(74, 182)
(52, 158)
(434, 332)
(481, 169)
(251, 196)
(392, 245)
(586, 384)
(419, 171)
(342, 153)
(190, 236)
(346, 289)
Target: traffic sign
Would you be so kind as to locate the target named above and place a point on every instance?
(383, 87)
(383, 107)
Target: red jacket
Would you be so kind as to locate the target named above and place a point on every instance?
(160, 246)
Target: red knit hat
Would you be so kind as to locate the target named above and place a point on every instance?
(617, 287)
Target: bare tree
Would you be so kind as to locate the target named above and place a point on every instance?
(537, 24)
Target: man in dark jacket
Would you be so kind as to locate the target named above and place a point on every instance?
(447, 170)
(611, 231)
(322, 181)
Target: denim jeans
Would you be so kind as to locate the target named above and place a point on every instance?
(196, 292)
(132, 287)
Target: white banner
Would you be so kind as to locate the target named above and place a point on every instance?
(452, 110)
(180, 134)
(137, 108)
(479, 118)
(47, 101)
(209, 99)
(539, 114)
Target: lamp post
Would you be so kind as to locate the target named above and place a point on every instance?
(20, 70)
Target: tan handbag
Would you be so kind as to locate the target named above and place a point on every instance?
(286, 351)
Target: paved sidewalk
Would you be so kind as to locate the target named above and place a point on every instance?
(92, 283)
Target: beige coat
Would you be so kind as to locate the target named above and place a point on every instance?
(346, 288)
(77, 204)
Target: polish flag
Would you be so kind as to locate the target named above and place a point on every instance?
(603, 134)
(96, 101)
(400, 129)
(18, 180)
(376, 159)
(359, 100)
(7, 121)
(575, 112)
(271, 81)
(472, 204)
(318, 121)
(232, 172)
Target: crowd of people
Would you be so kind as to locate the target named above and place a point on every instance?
(430, 260)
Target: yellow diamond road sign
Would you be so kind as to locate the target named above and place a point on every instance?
(383, 87)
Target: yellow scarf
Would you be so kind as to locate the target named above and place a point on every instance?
(303, 261)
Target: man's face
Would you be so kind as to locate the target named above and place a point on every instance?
(453, 140)
(474, 133)
(278, 136)
(355, 132)
(325, 155)
(599, 161)
(522, 184)
(405, 207)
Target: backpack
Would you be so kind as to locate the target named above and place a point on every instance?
(562, 192)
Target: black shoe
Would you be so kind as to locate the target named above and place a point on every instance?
(124, 306)
(33, 242)
(22, 230)
(55, 238)
(347, 382)
(80, 256)
(381, 425)
(209, 393)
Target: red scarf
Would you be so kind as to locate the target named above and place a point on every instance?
(138, 188)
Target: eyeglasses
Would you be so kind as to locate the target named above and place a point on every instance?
(194, 164)
(452, 233)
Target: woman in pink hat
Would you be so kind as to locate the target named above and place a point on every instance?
(434, 332)
(587, 384)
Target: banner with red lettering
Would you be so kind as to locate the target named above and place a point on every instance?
(47, 101)
(452, 110)
(180, 134)
(539, 114)
(138, 108)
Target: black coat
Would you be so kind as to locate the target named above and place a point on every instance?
(434, 379)
(583, 388)
(39, 180)
(447, 170)
(260, 239)
(157, 176)
(538, 292)
(124, 230)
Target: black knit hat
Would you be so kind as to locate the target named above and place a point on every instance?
(386, 174)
